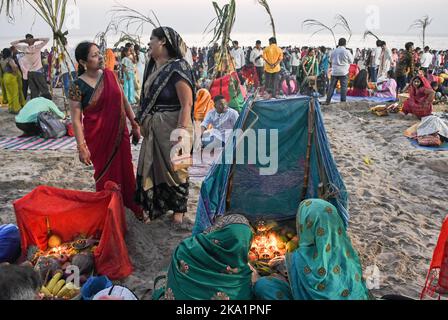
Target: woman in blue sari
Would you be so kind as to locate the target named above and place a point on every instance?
(129, 76)
(324, 267)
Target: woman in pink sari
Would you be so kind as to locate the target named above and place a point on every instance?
(99, 111)
(421, 97)
(387, 88)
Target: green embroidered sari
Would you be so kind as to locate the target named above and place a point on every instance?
(212, 265)
(325, 266)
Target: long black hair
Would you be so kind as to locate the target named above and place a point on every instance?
(137, 53)
(360, 81)
(6, 53)
(124, 52)
(82, 53)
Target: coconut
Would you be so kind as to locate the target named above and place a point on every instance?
(54, 241)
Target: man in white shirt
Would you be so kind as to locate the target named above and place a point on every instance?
(32, 62)
(426, 60)
(375, 61)
(221, 119)
(256, 57)
(385, 62)
(238, 56)
(341, 59)
(295, 61)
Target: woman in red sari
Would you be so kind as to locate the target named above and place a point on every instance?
(99, 110)
(421, 97)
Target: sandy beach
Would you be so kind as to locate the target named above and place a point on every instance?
(397, 203)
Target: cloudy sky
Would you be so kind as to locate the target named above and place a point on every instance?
(383, 16)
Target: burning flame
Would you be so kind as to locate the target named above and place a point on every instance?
(267, 247)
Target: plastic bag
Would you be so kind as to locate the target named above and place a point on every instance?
(9, 243)
(95, 285)
(51, 127)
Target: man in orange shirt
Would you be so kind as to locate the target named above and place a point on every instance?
(272, 56)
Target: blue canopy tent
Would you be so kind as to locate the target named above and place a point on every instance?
(304, 168)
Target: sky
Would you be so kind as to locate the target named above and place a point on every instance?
(192, 16)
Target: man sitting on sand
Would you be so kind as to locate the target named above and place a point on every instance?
(26, 120)
(441, 92)
(222, 118)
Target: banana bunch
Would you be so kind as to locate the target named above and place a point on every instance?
(57, 288)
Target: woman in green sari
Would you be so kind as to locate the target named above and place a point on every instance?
(11, 82)
(325, 266)
(212, 265)
(308, 72)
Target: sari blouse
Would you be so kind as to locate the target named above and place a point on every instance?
(81, 92)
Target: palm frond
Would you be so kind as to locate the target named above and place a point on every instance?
(122, 14)
(422, 24)
(313, 23)
(368, 33)
(265, 4)
(342, 21)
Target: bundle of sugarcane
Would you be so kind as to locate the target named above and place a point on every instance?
(224, 21)
(101, 37)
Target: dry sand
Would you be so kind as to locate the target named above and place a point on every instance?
(397, 203)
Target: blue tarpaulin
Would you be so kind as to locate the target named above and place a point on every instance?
(242, 188)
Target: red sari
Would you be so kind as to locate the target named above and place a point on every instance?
(419, 102)
(108, 140)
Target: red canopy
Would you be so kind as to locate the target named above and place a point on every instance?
(221, 85)
(71, 213)
(438, 271)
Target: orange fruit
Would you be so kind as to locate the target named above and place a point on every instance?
(54, 241)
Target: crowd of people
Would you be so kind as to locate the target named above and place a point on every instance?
(169, 85)
(168, 79)
(165, 81)
(379, 72)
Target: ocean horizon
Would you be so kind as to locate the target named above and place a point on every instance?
(437, 42)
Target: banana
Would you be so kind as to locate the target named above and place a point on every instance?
(58, 287)
(54, 281)
(45, 291)
(64, 292)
